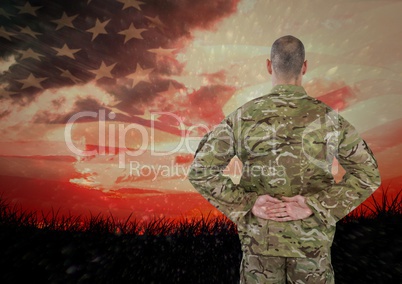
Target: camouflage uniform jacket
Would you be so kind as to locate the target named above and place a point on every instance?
(286, 141)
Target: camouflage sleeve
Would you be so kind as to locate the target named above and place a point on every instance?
(361, 179)
(214, 153)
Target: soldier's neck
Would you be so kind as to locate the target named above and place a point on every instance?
(278, 81)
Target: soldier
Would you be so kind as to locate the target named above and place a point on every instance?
(287, 203)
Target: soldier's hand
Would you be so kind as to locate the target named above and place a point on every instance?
(293, 208)
(263, 203)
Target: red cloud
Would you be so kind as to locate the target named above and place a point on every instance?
(385, 136)
(336, 94)
(337, 99)
(183, 159)
(182, 16)
(207, 102)
(216, 78)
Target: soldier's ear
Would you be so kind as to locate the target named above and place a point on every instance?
(269, 66)
(304, 67)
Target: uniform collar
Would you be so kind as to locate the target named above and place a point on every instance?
(292, 90)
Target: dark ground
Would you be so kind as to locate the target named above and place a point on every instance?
(365, 250)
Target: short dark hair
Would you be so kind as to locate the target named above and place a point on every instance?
(287, 56)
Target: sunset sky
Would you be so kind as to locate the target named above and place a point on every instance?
(103, 102)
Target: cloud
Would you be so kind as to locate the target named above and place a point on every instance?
(335, 93)
(384, 136)
(182, 17)
(183, 159)
(206, 103)
(102, 172)
(6, 63)
(51, 107)
(215, 78)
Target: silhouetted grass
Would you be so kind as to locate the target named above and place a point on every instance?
(16, 216)
(387, 207)
(368, 242)
(52, 248)
(101, 249)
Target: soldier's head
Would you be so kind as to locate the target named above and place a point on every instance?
(287, 63)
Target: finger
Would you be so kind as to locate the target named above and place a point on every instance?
(270, 206)
(260, 213)
(276, 210)
(277, 214)
(274, 206)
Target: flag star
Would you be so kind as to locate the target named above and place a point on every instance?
(28, 9)
(131, 3)
(99, 28)
(149, 115)
(4, 33)
(27, 30)
(29, 53)
(163, 52)
(116, 110)
(132, 32)
(140, 75)
(171, 91)
(156, 22)
(67, 74)
(66, 51)
(65, 21)
(103, 71)
(4, 13)
(31, 81)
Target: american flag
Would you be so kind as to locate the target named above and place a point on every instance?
(127, 47)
